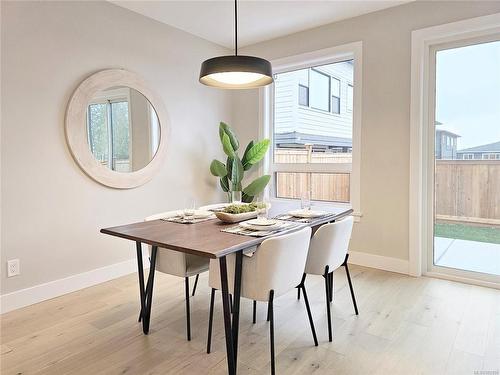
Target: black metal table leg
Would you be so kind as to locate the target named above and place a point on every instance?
(236, 304)
(227, 317)
(195, 284)
(210, 321)
(140, 271)
(146, 314)
(188, 312)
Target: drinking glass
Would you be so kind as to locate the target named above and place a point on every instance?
(190, 208)
(262, 212)
(236, 197)
(305, 200)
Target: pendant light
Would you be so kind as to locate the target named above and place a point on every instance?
(235, 71)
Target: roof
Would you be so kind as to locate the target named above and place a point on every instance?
(490, 147)
(300, 139)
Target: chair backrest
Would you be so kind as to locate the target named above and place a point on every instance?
(329, 246)
(169, 261)
(278, 264)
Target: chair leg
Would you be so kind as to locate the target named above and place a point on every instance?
(231, 303)
(350, 284)
(195, 284)
(254, 312)
(268, 312)
(309, 315)
(188, 314)
(327, 294)
(210, 321)
(331, 286)
(299, 286)
(271, 331)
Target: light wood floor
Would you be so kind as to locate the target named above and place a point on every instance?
(406, 326)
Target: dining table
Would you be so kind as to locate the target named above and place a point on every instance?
(205, 239)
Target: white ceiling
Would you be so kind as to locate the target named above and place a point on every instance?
(257, 20)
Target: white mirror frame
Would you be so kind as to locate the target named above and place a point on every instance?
(76, 129)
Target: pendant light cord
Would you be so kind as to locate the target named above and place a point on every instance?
(235, 28)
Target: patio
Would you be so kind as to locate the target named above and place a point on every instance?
(467, 255)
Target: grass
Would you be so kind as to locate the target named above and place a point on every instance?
(468, 232)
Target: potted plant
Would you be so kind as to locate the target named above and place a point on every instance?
(232, 172)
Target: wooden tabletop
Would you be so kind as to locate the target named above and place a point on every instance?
(204, 239)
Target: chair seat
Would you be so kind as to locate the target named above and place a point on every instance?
(196, 265)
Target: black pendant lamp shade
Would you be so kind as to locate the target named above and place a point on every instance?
(234, 71)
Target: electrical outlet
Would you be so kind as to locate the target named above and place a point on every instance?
(13, 268)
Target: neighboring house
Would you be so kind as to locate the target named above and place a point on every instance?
(445, 143)
(491, 151)
(314, 106)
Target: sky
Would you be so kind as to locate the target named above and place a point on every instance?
(468, 93)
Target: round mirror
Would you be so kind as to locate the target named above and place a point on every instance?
(115, 128)
(123, 129)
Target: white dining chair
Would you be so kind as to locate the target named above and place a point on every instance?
(327, 252)
(179, 264)
(275, 268)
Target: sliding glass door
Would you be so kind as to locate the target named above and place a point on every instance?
(466, 228)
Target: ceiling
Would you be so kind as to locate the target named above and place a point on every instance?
(257, 20)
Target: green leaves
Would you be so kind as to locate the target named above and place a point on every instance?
(218, 169)
(236, 173)
(224, 184)
(226, 129)
(257, 186)
(226, 145)
(247, 165)
(255, 153)
(231, 174)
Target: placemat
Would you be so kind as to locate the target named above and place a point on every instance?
(237, 229)
(305, 220)
(181, 219)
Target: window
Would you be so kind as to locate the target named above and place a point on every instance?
(109, 132)
(319, 90)
(491, 156)
(468, 156)
(350, 97)
(335, 95)
(303, 78)
(313, 150)
(303, 95)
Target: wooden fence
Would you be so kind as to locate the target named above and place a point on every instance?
(468, 191)
(323, 186)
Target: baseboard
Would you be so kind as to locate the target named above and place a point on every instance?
(379, 262)
(56, 288)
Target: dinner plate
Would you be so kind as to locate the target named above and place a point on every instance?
(246, 225)
(262, 222)
(307, 213)
(201, 214)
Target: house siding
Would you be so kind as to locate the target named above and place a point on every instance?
(292, 117)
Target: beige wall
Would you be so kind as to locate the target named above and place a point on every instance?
(386, 37)
(51, 211)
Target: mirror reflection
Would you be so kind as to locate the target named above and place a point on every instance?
(123, 129)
